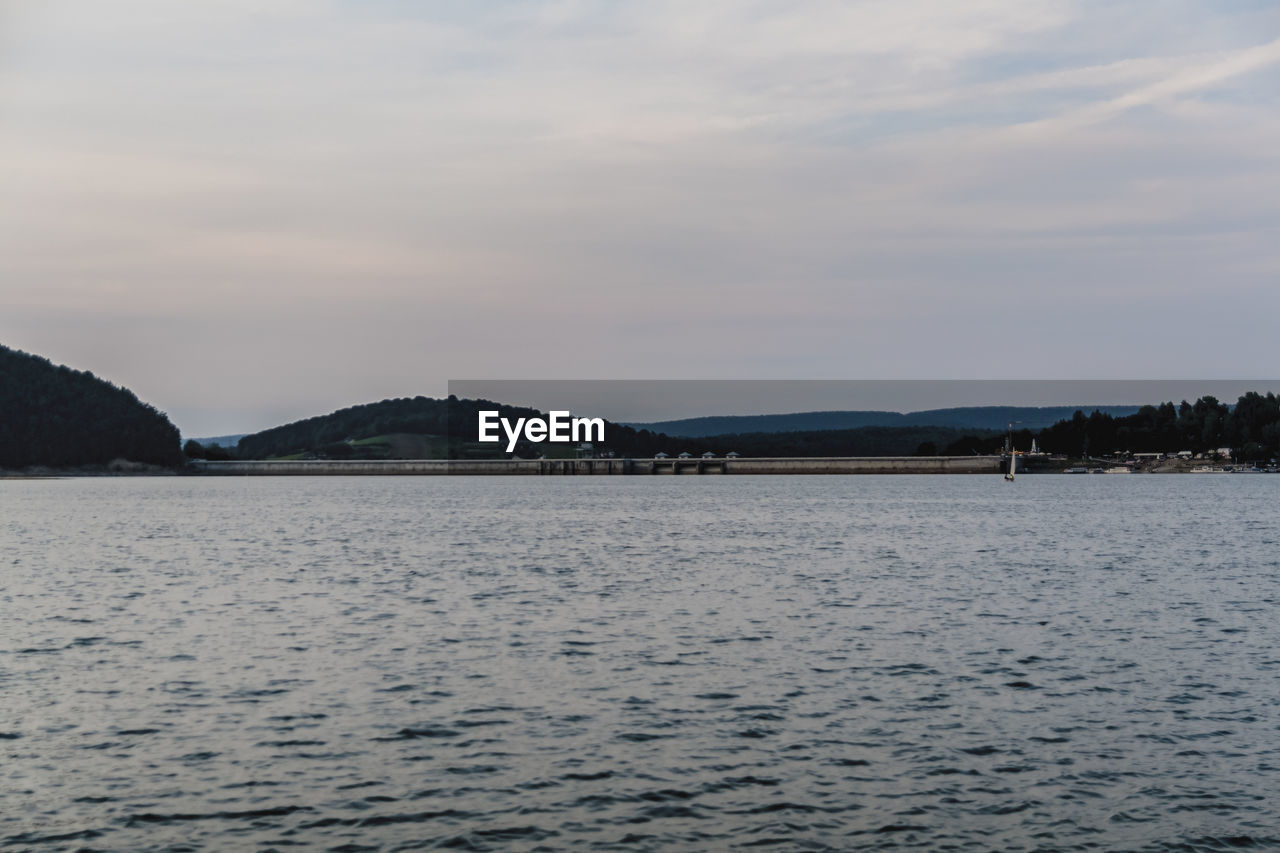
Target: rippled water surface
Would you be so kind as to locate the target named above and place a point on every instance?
(692, 663)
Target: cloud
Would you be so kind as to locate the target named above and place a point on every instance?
(352, 199)
(1187, 78)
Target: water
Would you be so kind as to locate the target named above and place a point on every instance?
(694, 663)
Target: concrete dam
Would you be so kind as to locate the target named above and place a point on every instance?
(569, 467)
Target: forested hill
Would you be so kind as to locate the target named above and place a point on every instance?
(56, 417)
(417, 415)
(450, 424)
(965, 418)
(451, 427)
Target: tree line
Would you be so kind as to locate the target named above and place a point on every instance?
(1252, 426)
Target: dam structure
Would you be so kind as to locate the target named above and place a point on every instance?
(570, 467)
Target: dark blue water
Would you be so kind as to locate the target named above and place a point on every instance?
(693, 663)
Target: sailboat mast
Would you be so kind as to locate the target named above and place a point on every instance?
(1012, 454)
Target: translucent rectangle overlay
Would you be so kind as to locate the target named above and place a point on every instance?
(688, 412)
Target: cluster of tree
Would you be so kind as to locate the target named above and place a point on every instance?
(1251, 427)
(986, 443)
(57, 417)
(325, 432)
(213, 452)
(456, 419)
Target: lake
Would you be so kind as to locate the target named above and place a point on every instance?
(631, 663)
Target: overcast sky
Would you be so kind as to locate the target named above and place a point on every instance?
(250, 212)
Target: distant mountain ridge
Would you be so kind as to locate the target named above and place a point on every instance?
(964, 417)
(221, 440)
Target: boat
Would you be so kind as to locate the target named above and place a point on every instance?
(1013, 456)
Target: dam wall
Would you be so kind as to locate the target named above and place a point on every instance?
(563, 467)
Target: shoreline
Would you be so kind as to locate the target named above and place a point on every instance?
(826, 465)
(610, 467)
(740, 466)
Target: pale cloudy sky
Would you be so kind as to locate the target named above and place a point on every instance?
(250, 212)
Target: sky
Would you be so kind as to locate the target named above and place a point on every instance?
(253, 212)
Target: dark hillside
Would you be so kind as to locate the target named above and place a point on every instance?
(402, 415)
(56, 417)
